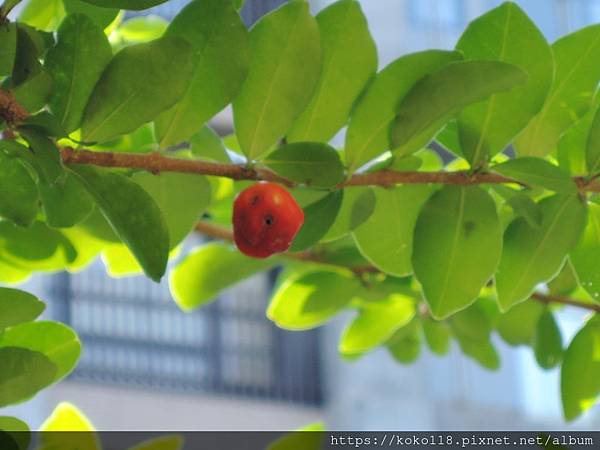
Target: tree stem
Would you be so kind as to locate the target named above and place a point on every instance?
(218, 232)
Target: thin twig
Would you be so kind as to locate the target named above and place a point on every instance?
(218, 232)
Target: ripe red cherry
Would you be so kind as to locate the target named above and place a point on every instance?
(266, 218)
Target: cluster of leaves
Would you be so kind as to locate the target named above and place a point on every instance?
(443, 261)
(34, 354)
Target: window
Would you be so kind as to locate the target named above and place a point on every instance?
(437, 13)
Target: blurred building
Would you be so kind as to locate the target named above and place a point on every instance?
(147, 365)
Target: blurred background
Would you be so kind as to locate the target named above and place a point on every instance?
(148, 366)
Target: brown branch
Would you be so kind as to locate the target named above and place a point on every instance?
(218, 232)
(10, 110)
(156, 163)
(548, 298)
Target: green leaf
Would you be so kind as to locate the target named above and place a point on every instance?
(386, 238)
(375, 323)
(313, 163)
(46, 123)
(472, 329)
(34, 93)
(575, 81)
(565, 282)
(580, 372)
(205, 272)
(47, 158)
(535, 255)
(573, 145)
(457, 246)
(206, 144)
(17, 307)
(143, 28)
(357, 207)
(26, 64)
(349, 62)
(504, 34)
(318, 218)
(37, 248)
(221, 58)
(42, 14)
(102, 17)
(585, 255)
(437, 335)
(18, 192)
(138, 84)
(592, 154)
(54, 340)
(521, 204)
(368, 131)
(8, 47)
(547, 341)
(133, 215)
(65, 203)
(24, 373)
(284, 71)
(310, 300)
(16, 431)
(136, 5)
(537, 172)
(440, 96)
(181, 197)
(405, 344)
(75, 64)
(517, 326)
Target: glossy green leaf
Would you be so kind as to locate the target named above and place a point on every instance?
(17, 431)
(65, 203)
(517, 326)
(437, 335)
(37, 248)
(34, 93)
(138, 84)
(143, 28)
(535, 255)
(24, 373)
(573, 145)
(75, 64)
(56, 341)
(284, 70)
(181, 197)
(26, 64)
(521, 204)
(457, 246)
(565, 282)
(575, 81)
(133, 215)
(405, 344)
(136, 5)
(8, 47)
(504, 34)
(205, 272)
(580, 372)
(18, 306)
(221, 58)
(440, 96)
(357, 207)
(206, 144)
(311, 299)
(42, 14)
(46, 156)
(472, 329)
(547, 342)
(375, 323)
(386, 238)
(312, 163)
(349, 61)
(18, 192)
(368, 131)
(102, 17)
(537, 172)
(318, 218)
(585, 255)
(592, 154)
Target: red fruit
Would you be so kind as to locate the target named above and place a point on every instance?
(266, 219)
